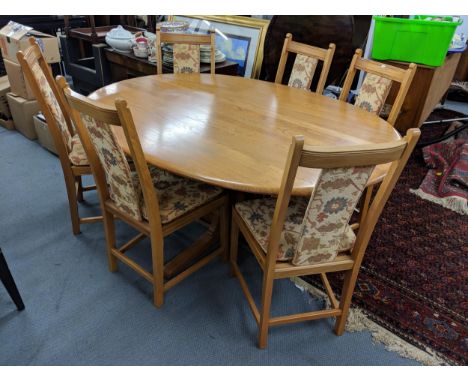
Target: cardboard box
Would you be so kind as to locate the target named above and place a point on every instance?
(43, 134)
(4, 89)
(19, 85)
(7, 123)
(14, 37)
(23, 111)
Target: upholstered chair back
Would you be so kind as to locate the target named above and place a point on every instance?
(305, 64)
(327, 216)
(378, 81)
(122, 190)
(186, 50)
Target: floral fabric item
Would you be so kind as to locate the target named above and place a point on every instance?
(186, 58)
(176, 195)
(328, 213)
(112, 158)
(258, 215)
(302, 72)
(373, 93)
(53, 104)
(77, 155)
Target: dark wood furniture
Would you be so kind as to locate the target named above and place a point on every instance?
(427, 89)
(346, 32)
(9, 283)
(126, 65)
(88, 73)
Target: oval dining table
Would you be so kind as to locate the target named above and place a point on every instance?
(235, 132)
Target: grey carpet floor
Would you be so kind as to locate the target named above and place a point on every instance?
(78, 313)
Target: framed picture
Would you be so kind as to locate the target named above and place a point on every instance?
(240, 38)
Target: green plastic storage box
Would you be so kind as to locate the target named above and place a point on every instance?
(421, 40)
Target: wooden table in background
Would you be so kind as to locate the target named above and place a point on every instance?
(127, 65)
(427, 89)
(235, 132)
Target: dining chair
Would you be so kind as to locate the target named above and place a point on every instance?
(305, 64)
(67, 142)
(155, 202)
(186, 50)
(372, 96)
(298, 236)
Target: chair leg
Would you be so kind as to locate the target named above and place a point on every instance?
(109, 228)
(365, 202)
(73, 203)
(79, 193)
(234, 244)
(345, 301)
(265, 312)
(157, 251)
(9, 283)
(224, 232)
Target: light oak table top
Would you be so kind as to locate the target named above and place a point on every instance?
(235, 132)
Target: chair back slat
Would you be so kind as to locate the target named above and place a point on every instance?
(305, 64)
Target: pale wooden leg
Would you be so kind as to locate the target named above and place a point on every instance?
(345, 301)
(73, 203)
(234, 243)
(365, 202)
(109, 228)
(157, 251)
(265, 312)
(224, 232)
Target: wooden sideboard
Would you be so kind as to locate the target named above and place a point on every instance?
(427, 89)
(126, 65)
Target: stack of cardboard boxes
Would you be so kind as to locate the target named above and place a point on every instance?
(21, 100)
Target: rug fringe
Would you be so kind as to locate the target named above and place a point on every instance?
(358, 321)
(454, 203)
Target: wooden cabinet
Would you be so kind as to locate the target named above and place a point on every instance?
(427, 89)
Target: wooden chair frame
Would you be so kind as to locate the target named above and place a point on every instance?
(318, 157)
(71, 173)
(153, 228)
(325, 55)
(402, 76)
(184, 38)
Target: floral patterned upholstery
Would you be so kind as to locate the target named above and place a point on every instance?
(373, 93)
(118, 176)
(77, 154)
(186, 58)
(302, 72)
(176, 195)
(328, 213)
(258, 215)
(54, 106)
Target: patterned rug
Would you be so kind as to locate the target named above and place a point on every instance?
(414, 278)
(446, 182)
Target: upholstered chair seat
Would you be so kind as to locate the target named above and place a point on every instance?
(176, 195)
(258, 215)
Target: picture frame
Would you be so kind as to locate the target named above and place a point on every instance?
(240, 38)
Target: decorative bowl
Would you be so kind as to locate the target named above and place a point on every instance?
(120, 39)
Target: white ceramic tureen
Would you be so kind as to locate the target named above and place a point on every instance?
(120, 39)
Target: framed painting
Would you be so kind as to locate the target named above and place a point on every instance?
(240, 38)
